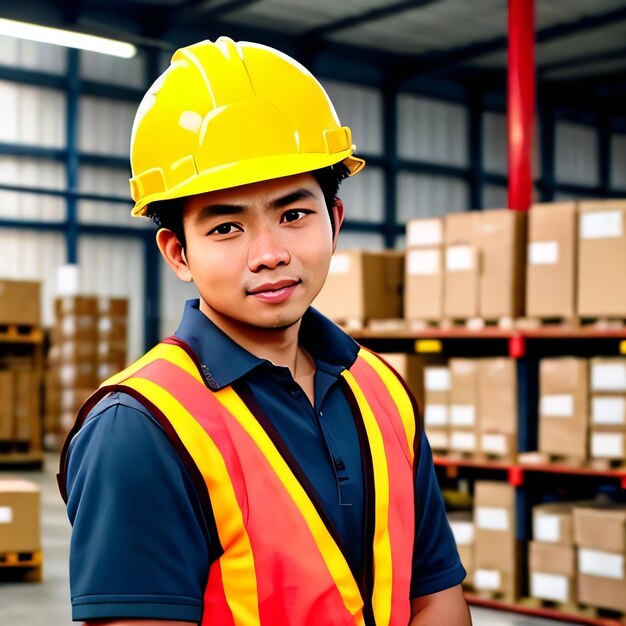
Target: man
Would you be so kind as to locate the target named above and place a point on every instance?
(259, 467)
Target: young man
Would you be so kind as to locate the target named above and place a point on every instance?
(259, 467)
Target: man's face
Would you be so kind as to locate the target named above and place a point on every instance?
(260, 253)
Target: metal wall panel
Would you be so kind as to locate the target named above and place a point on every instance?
(29, 255)
(618, 161)
(431, 130)
(576, 154)
(105, 126)
(360, 108)
(420, 195)
(364, 241)
(113, 70)
(32, 115)
(495, 197)
(31, 55)
(33, 173)
(114, 267)
(363, 195)
(174, 293)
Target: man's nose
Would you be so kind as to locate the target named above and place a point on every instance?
(267, 250)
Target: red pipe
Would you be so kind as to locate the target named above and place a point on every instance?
(520, 101)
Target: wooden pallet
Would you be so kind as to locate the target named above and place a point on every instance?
(20, 332)
(574, 609)
(30, 459)
(26, 566)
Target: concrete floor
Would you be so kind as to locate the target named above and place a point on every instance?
(47, 603)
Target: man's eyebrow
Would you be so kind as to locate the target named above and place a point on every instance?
(290, 198)
(215, 210)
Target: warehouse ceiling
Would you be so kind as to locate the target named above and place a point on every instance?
(580, 45)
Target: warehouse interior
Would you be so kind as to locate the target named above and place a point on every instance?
(481, 255)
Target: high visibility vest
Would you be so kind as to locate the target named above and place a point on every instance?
(282, 562)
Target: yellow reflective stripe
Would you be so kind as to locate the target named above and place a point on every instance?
(383, 566)
(334, 559)
(166, 351)
(398, 394)
(238, 571)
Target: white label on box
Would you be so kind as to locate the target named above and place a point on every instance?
(488, 579)
(491, 518)
(549, 586)
(601, 225)
(462, 414)
(543, 253)
(608, 377)
(600, 563)
(459, 259)
(105, 324)
(557, 405)
(607, 445)
(438, 439)
(67, 374)
(463, 441)
(6, 515)
(68, 325)
(436, 415)
(495, 443)
(463, 532)
(608, 410)
(424, 233)
(547, 528)
(339, 264)
(437, 379)
(423, 262)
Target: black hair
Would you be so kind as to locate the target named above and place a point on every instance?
(169, 213)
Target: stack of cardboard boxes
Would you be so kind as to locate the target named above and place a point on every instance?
(497, 554)
(88, 344)
(462, 526)
(20, 366)
(471, 407)
(608, 408)
(552, 555)
(600, 537)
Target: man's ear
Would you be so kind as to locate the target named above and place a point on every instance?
(338, 213)
(174, 254)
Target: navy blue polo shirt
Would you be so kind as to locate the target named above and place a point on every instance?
(141, 544)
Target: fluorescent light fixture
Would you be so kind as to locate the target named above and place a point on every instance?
(67, 38)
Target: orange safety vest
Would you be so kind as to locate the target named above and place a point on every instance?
(281, 563)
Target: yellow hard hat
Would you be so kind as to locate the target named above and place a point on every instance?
(226, 114)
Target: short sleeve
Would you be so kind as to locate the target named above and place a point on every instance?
(436, 563)
(139, 546)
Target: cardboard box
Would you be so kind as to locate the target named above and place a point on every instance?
(564, 407)
(411, 368)
(438, 438)
(498, 445)
(462, 440)
(76, 306)
(497, 397)
(602, 591)
(436, 409)
(462, 264)
(553, 523)
(20, 302)
(362, 285)
(608, 375)
(491, 493)
(26, 397)
(600, 526)
(464, 382)
(502, 243)
(462, 526)
(601, 258)
(113, 307)
(75, 327)
(607, 443)
(423, 287)
(551, 260)
(20, 503)
(608, 410)
(552, 571)
(7, 405)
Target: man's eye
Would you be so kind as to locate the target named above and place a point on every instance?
(294, 215)
(224, 229)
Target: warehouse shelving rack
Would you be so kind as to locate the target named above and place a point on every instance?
(531, 481)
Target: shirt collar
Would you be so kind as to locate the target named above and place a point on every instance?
(224, 361)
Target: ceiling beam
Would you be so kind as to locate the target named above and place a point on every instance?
(434, 63)
(367, 16)
(196, 9)
(580, 61)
